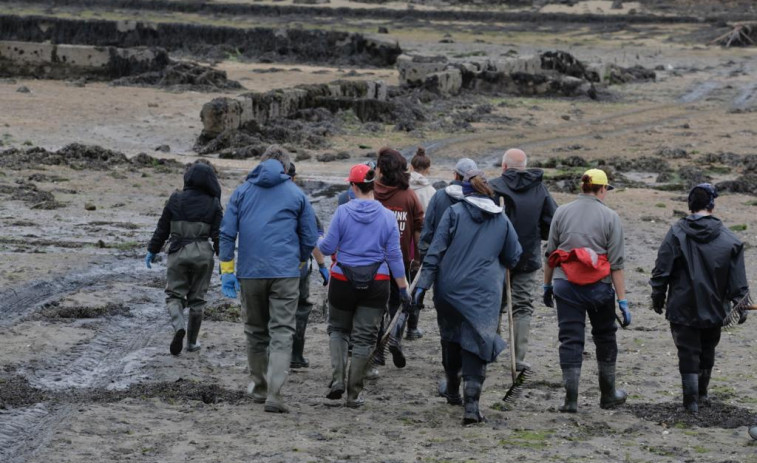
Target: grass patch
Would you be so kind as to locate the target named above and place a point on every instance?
(525, 438)
(700, 449)
(738, 227)
(126, 245)
(660, 205)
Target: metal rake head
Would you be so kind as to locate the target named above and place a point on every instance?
(517, 387)
(737, 313)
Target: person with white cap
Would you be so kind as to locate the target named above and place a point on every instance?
(700, 271)
(584, 275)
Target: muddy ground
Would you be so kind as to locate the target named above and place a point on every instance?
(85, 373)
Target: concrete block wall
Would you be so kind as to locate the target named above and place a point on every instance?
(223, 114)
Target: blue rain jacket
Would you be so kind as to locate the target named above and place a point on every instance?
(275, 224)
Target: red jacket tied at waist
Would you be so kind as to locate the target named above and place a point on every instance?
(582, 266)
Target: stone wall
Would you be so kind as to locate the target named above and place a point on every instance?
(66, 61)
(222, 114)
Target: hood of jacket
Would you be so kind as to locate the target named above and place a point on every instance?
(702, 229)
(364, 211)
(383, 192)
(455, 191)
(481, 207)
(520, 180)
(268, 174)
(418, 181)
(202, 177)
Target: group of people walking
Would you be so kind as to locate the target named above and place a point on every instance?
(462, 242)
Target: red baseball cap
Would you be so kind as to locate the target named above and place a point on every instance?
(358, 173)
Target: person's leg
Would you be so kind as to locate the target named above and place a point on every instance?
(201, 274)
(339, 330)
(689, 344)
(474, 374)
(255, 316)
(524, 286)
(603, 329)
(364, 332)
(178, 279)
(452, 361)
(571, 318)
(282, 302)
(710, 340)
(304, 307)
(395, 344)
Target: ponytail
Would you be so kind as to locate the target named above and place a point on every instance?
(481, 186)
(420, 161)
(588, 187)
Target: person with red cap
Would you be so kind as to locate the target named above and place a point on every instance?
(365, 237)
(585, 262)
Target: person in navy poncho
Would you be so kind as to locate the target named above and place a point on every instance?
(473, 245)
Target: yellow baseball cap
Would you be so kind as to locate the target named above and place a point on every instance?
(598, 177)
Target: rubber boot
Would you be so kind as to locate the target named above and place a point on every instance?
(690, 383)
(177, 342)
(471, 396)
(521, 328)
(611, 397)
(278, 369)
(298, 346)
(338, 350)
(257, 363)
(413, 332)
(193, 330)
(356, 381)
(570, 379)
(449, 388)
(395, 343)
(704, 384)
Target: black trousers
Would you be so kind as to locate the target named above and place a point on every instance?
(457, 361)
(574, 303)
(696, 347)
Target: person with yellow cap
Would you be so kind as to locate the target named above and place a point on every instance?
(584, 275)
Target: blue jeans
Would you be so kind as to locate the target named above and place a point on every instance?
(574, 302)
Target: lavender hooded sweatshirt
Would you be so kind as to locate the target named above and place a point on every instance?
(363, 232)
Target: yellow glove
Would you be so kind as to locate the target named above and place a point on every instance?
(227, 267)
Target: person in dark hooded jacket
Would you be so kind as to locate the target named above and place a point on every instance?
(473, 245)
(700, 271)
(530, 208)
(190, 218)
(275, 224)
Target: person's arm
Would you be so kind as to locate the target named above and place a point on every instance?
(215, 228)
(393, 253)
(307, 229)
(738, 287)
(438, 248)
(548, 272)
(618, 283)
(616, 256)
(418, 216)
(663, 267)
(228, 233)
(162, 230)
(429, 225)
(328, 244)
(511, 248)
(547, 212)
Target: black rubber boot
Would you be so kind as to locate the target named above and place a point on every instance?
(450, 390)
(413, 332)
(570, 379)
(193, 330)
(690, 383)
(298, 345)
(178, 342)
(395, 343)
(611, 397)
(355, 382)
(472, 394)
(704, 384)
(338, 352)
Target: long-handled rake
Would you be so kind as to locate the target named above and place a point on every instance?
(387, 339)
(519, 378)
(738, 311)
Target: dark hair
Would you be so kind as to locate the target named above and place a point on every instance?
(481, 186)
(292, 170)
(698, 200)
(420, 161)
(201, 161)
(366, 186)
(393, 167)
(588, 187)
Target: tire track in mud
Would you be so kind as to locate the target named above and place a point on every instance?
(115, 351)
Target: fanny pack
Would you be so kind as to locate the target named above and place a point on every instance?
(360, 276)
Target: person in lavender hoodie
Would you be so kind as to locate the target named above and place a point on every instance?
(366, 239)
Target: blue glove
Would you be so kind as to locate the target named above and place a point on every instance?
(149, 259)
(229, 285)
(324, 271)
(623, 306)
(418, 296)
(405, 296)
(549, 295)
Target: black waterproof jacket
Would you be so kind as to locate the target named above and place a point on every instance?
(200, 201)
(530, 208)
(439, 203)
(700, 265)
